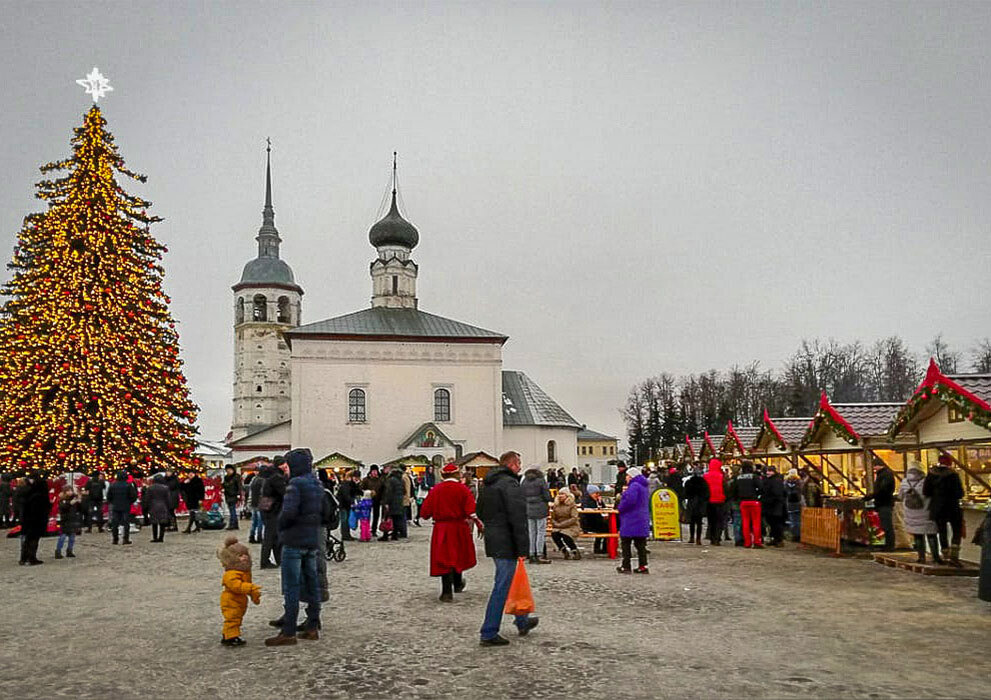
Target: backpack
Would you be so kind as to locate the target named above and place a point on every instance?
(913, 499)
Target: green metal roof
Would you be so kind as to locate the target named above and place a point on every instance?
(395, 323)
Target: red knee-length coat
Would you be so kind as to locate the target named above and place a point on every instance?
(450, 505)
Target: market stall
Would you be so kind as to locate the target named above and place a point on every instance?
(737, 442)
(340, 464)
(951, 415)
(476, 464)
(710, 447)
(777, 441)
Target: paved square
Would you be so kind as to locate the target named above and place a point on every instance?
(144, 622)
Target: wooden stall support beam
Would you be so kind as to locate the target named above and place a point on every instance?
(868, 470)
(976, 477)
(821, 473)
(845, 477)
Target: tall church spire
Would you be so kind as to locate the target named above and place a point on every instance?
(268, 236)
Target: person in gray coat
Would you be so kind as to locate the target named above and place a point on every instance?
(537, 495)
(918, 521)
(159, 501)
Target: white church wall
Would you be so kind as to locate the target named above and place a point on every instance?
(399, 381)
(531, 443)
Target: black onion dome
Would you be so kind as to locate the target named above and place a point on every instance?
(393, 229)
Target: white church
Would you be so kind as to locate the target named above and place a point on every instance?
(382, 383)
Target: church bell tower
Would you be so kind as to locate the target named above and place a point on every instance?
(393, 271)
(267, 302)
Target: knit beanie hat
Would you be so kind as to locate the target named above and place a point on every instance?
(633, 472)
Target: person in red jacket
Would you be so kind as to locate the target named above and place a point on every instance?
(451, 506)
(716, 511)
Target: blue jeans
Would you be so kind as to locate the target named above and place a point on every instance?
(537, 529)
(300, 582)
(736, 524)
(61, 539)
(795, 520)
(257, 526)
(504, 570)
(232, 508)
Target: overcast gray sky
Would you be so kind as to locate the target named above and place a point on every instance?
(621, 188)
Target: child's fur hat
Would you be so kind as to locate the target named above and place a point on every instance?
(230, 552)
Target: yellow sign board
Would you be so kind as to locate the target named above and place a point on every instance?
(664, 515)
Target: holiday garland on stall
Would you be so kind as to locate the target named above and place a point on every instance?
(89, 357)
(937, 385)
(840, 427)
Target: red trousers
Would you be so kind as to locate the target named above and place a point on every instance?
(750, 516)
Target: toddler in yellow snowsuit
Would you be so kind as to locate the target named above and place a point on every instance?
(237, 588)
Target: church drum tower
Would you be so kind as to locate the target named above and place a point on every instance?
(267, 302)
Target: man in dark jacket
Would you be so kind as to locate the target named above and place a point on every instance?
(773, 505)
(373, 483)
(299, 530)
(233, 491)
(193, 493)
(95, 489)
(120, 496)
(943, 489)
(392, 504)
(502, 510)
(254, 496)
(273, 491)
(172, 482)
(884, 501)
(348, 492)
(36, 509)
(746, 489)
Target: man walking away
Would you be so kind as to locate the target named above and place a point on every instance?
(233, 490)
(944, 490)
(773, 506)
(120, 496)
(502, 510)
(95, 489)
(193, 493)
(884, 501)
(273, 491)
(299, 531)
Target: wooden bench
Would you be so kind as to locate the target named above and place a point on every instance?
(611, 537)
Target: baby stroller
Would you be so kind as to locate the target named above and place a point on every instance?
(335, 548)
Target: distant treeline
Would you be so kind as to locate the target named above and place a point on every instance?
(661, 410)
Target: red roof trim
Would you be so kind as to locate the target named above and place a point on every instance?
(732, 431)
(690, 448)
(934, 376)
(835, 416)
(715, 452)
(774, 429)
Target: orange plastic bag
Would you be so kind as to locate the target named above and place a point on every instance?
(520, 598)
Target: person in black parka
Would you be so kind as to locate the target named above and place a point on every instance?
(773, 506)
(274, 491)
(35, 512)
(502, 509)
(696, 502)
(193, 493)
(944, 490)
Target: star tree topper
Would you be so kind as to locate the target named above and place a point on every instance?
(95, 84)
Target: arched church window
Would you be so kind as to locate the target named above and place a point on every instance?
(259, 308)
(239, 311)
(551, 451)
(284, 310)
(442, 405)
(258, 388)
(356, 406)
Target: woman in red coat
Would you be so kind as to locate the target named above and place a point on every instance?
(452, 508)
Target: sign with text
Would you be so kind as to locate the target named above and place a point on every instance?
(664, 515)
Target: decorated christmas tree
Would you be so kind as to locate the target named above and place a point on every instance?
(90, 375)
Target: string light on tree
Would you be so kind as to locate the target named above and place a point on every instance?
(90, 375)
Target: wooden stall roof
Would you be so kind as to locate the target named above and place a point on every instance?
(477, 459)
(694, 446)
(738, 440)
(786, 432)
(968, 393)
(710, 445)
(336, 459)
(408, 460)
(851, 422)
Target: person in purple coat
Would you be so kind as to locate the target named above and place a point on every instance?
(634, 521)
